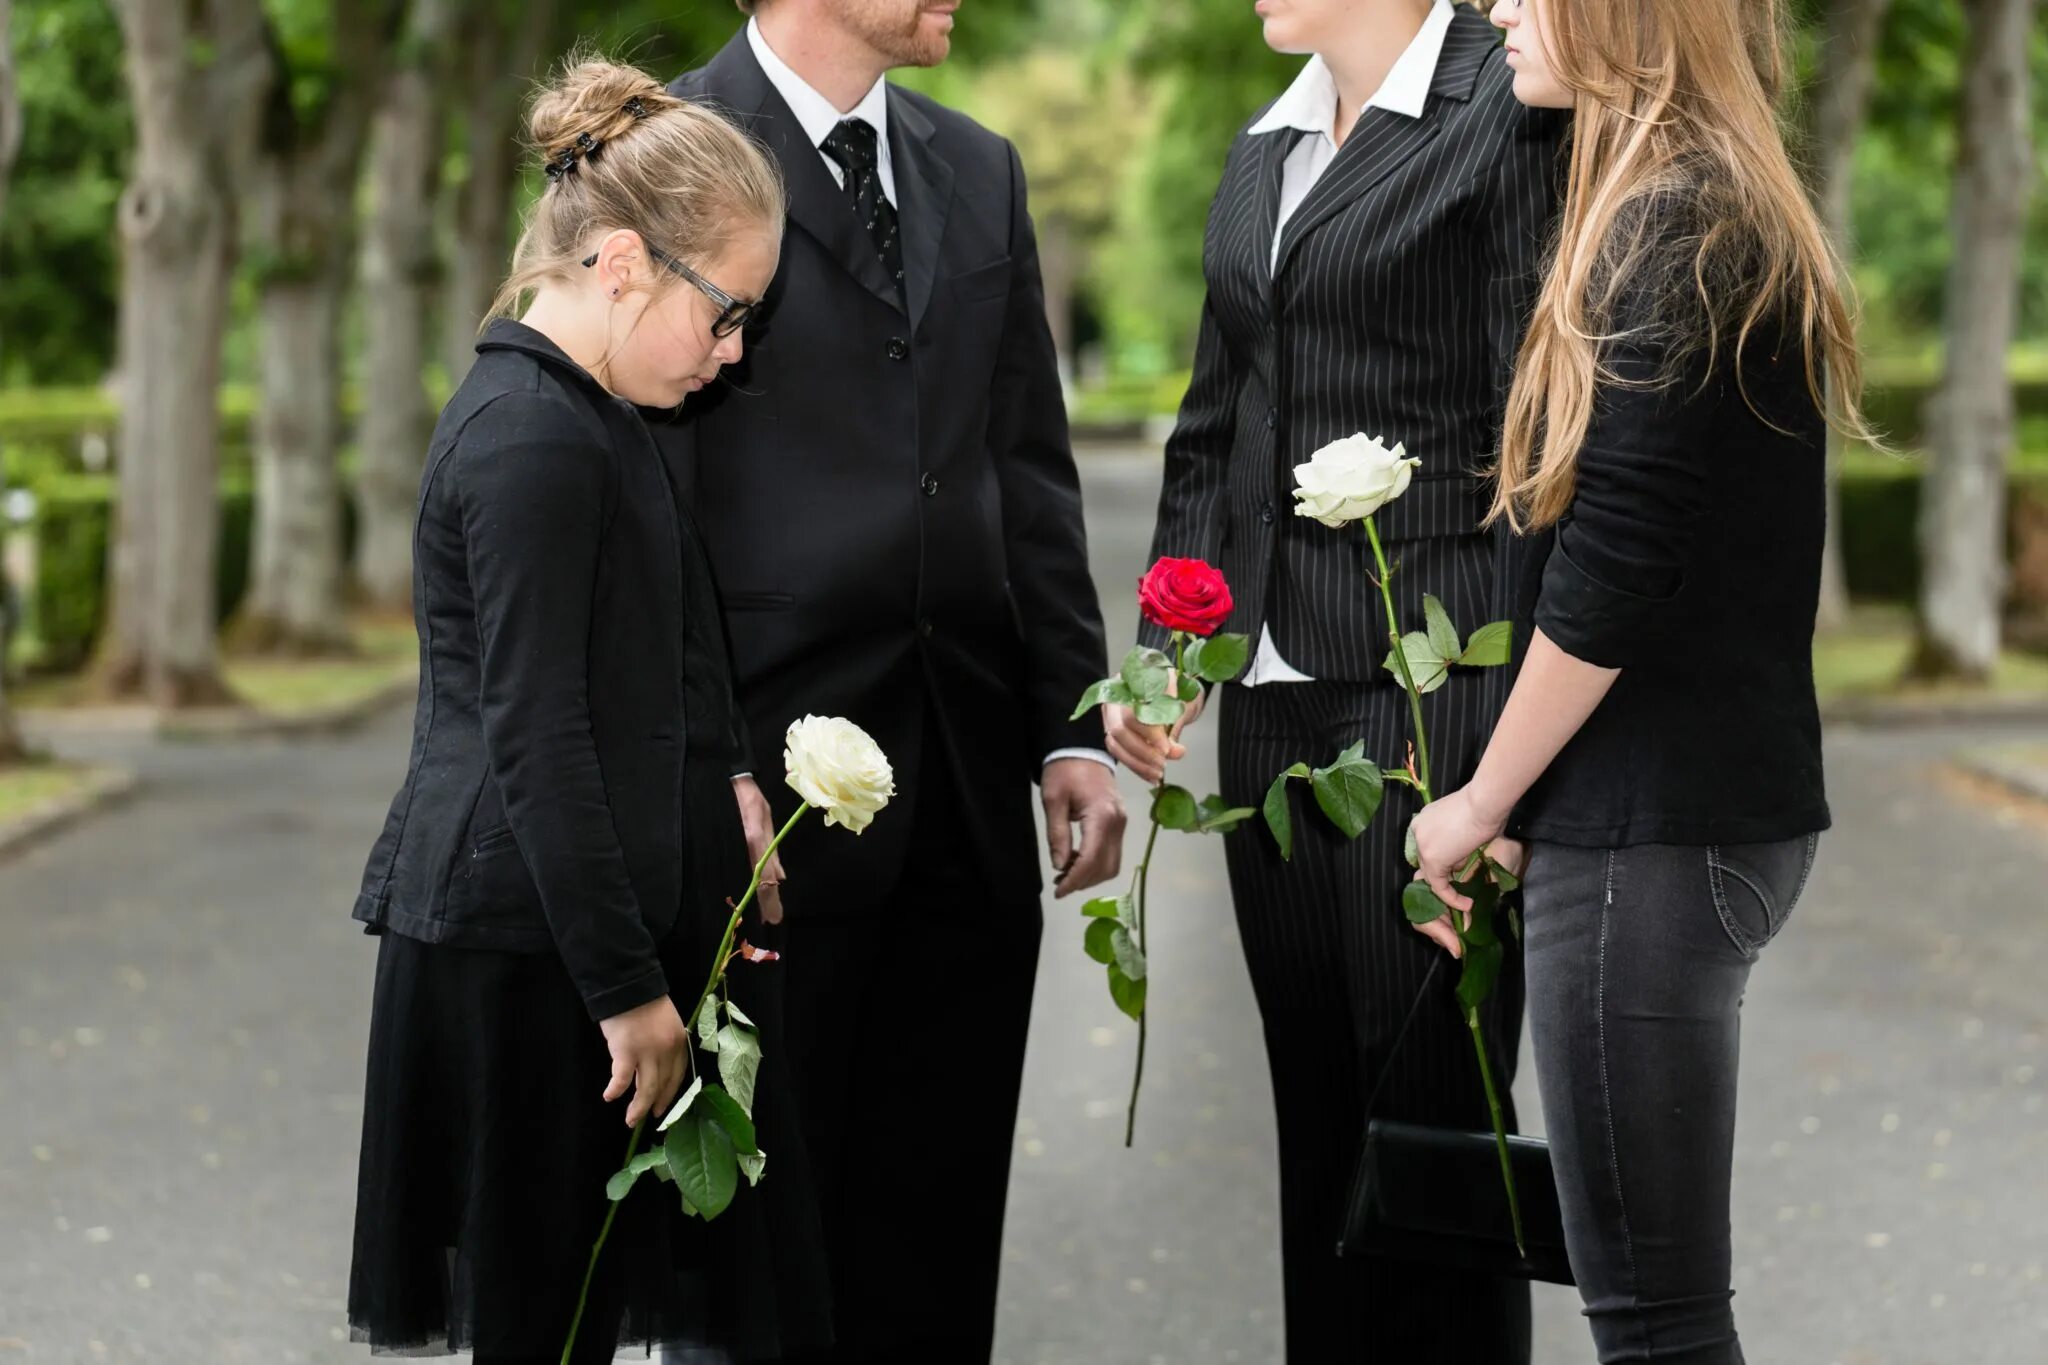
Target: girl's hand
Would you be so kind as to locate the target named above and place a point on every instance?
(1146, 749)
(1448, 832)
(650, 1052)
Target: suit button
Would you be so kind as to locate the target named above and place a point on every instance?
(930, 484)
(1272, 418)
(924, 626)
(899, 349)
(1266, 513)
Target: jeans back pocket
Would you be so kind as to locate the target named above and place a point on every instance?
(1755, 887)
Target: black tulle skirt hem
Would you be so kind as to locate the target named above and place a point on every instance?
(487, 1144)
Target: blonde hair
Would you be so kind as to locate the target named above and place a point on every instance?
(1683, 213)
(621, 152)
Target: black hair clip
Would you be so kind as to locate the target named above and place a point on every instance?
(634, 107)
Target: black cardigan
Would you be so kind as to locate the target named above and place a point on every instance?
(555, 589)
(1690, 560)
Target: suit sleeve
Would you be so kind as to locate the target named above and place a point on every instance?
(1193, 496)
(533, 490)
(1044, 538)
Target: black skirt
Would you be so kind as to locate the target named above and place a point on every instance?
(487, 1143)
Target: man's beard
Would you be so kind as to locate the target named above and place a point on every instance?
(895, 28)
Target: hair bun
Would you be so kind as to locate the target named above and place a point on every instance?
(588, 104)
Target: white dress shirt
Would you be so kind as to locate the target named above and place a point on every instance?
(1310, 104)
(818, 117)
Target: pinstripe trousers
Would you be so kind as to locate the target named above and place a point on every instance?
(1335, 967)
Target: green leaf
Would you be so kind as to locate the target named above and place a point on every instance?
(1095, 942)
(682, 1105)
(1128, 994)
(1482, 969)
(1189, 687)
(707, 1024)
(1130, 958)
(1174, 808)
(1485, 898)
(1108, 907)
(702, 1160)
(1117, 694)
(1425, 664)
(1502, 878)
(1220, 658)
(1279, 815)
(1443, 636)
(1515, 922)
(739, 1063)
(1490, 646)
(1217, 816)
(732, 1012)
(1421, 905)
(1410, 849)
(1349, 791)
(727, 1113)
(1146, 674)
(622, 1181)
(1160, 711)
(753, 1165)
(1092, 698)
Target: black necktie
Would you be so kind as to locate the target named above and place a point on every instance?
(853, 145)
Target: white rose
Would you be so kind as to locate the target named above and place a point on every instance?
(835, 766)
(1351, 479)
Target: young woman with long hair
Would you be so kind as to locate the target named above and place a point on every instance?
(1660, 753)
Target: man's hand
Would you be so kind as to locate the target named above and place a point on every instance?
(1082, 791)
(759, 822)
(1146, 749)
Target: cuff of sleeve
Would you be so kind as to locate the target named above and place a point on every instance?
(630, 995)
(1095, 754)
(1588, 619)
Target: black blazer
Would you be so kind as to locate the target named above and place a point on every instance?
(541, 809)
(1403, 289)
(888, 495)
(1690, 560)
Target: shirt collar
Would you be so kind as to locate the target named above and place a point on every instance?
(813, 111)
(1310, 104)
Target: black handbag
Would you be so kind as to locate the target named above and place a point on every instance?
(1434, 1195)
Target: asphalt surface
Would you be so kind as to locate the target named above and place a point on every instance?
(183, 1013)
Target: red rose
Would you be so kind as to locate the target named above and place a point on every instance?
(1185, 594)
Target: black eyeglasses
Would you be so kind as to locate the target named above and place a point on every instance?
(733, 313)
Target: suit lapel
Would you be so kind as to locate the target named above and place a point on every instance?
(924, 195)
(1382, 140)
(817, 202)
(1273, 150)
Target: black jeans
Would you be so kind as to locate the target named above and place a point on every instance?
(1637, 959)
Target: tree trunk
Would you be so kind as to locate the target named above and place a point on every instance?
(11, 746)
(177, 227)
(1840, 101)
(296, 605)
(502, 50)
(1962, 524)
(400, 268)
(304, 195)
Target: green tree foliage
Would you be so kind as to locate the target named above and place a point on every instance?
(59, 258)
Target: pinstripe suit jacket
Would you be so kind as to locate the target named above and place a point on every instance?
(1400, 296)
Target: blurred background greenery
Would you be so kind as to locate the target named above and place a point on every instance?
(359, 163)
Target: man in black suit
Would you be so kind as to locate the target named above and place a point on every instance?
(893, 514)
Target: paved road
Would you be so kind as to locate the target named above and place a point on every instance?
(182, 1005)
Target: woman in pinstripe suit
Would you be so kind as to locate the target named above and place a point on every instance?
(1370, 257)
